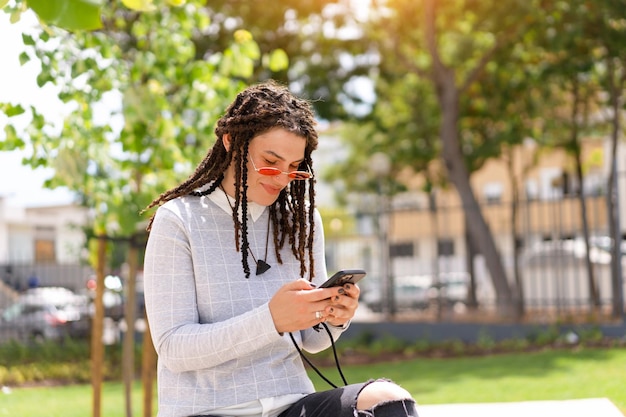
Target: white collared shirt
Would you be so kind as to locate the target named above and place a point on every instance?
(226, 203)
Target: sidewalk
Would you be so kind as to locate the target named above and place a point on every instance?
(590, 407)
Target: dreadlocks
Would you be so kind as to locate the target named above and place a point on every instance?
(256, 110)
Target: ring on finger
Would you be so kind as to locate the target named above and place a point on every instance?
(318, 315)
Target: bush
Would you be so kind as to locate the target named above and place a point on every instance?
(66, 362)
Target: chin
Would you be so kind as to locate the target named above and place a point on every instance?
(264, 200)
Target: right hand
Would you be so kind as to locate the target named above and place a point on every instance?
(294, 305)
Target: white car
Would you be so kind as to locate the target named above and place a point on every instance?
(45, 313)
(410, 293)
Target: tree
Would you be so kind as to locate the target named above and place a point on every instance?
(451, 46)
(141, 104)
(587, 64)
(605, 24)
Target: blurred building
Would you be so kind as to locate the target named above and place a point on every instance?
(426, 234)
(43, 245)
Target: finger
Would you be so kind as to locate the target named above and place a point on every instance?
(321, 294)
(320, 316)
(352, 290)
(344, 300)
(300, 284)
(347, 307)
(338, 316)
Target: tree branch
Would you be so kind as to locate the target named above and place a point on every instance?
(501, 41)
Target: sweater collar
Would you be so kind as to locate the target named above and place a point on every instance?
(226, 202)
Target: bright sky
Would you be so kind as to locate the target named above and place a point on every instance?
(19, 184)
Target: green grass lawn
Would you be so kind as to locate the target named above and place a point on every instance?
(549, 375)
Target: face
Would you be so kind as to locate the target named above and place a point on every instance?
(276, 148)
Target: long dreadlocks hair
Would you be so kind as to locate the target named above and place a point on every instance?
(256, 110)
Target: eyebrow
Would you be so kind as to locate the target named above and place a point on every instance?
(282, 158)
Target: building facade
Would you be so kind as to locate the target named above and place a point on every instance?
(43, 245)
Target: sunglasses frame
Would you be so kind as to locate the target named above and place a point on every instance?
(274, 172)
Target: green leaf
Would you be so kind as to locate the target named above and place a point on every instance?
(140, 5)
(15, 16)
(12, 110)
(3, 3)
(12, 141)
(24, 58)
(28, 40)
(43, 78)
(250, 49)
(69, 14)
(278, 60)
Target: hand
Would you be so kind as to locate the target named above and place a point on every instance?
(296, 304)
(344, 305)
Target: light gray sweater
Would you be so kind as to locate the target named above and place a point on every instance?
(212, 329)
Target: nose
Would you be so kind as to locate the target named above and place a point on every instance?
(282, 179)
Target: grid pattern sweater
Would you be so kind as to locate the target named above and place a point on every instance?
(212, 329)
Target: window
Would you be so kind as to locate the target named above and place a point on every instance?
(44, 250)
(445, 247)
(493, 192)
(397, 250)
(532, 190)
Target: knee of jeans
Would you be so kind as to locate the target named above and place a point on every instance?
(379, 392)
(395, 408)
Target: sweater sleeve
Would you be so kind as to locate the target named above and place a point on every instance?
(181, 341)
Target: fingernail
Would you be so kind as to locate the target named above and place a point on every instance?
(313, 285)
(332, 310)
(347, 286)
(337, 298)
(341, 291)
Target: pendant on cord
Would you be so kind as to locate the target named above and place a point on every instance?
(262, 267)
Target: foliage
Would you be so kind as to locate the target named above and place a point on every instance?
(78, 15)
(140, 105)
(66, 362)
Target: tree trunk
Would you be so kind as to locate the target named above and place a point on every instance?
(459, 176)
(128, 348)
(472, 300)
(594, 292)
(615, 87)
(448, 95)
(594, 296)
(432, 208)
(515, 236)
(148, 371)
(97, 348)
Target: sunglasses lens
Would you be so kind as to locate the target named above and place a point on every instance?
(269, 171)
(299, 175)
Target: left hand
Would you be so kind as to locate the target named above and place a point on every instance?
(342, 305)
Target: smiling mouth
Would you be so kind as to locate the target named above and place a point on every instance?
(272, 190)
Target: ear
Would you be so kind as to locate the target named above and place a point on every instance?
(226, 140)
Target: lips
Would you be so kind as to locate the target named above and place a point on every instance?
(272, 190)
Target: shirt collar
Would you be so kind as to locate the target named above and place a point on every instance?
(225, 202)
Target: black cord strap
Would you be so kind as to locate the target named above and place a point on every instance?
(332, 343)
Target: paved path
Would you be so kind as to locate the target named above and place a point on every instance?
(591, 407)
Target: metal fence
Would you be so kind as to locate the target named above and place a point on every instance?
(422, 265)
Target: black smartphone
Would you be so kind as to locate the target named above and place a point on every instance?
(343, 277)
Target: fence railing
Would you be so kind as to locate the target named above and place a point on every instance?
(431, 262)
(422, 266)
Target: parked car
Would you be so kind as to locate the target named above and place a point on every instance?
(451, 290)
(45, 313)
(419, 292)
(410, 293)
